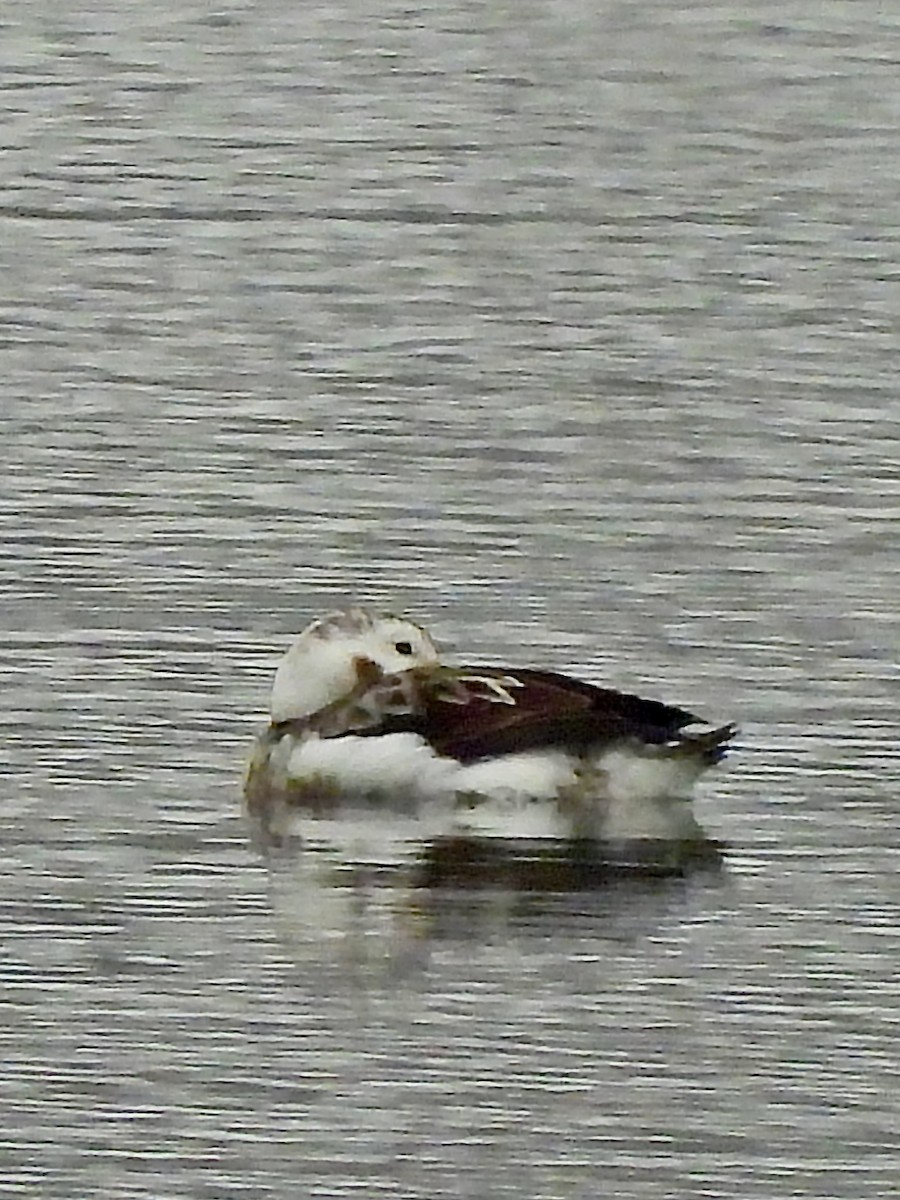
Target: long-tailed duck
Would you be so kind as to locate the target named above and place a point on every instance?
(366, 718)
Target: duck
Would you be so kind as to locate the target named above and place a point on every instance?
(368, 723)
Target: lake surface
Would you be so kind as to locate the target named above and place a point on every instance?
(571, 330)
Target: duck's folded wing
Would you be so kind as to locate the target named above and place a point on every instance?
(547, 710)
(480, 712)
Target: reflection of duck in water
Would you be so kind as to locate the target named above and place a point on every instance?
(365, 719)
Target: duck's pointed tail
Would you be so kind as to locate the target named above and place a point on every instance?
(709, 746)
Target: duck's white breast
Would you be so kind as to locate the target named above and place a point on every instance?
(360, 766)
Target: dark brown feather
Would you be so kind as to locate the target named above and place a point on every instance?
(550, 710)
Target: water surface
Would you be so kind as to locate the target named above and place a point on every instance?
(571, 331)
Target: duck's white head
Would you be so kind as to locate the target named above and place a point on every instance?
(322, 665)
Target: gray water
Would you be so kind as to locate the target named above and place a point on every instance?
(570, 329)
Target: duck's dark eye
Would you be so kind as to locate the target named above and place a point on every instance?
(403, 647)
